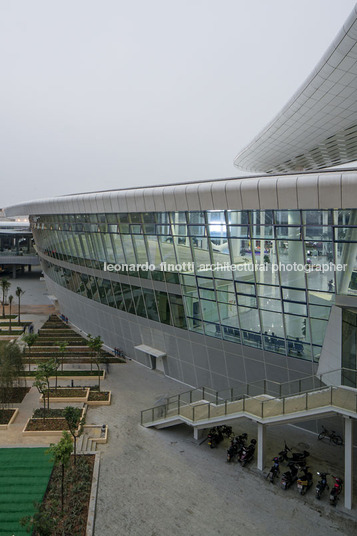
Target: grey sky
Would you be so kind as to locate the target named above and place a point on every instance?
(107, 94)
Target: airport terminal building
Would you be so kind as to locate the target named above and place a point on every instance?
(234, 280)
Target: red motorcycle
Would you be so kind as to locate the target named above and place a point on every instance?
(336, 490)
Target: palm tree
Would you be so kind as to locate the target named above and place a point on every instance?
(19, 292)
(5, 285)
(10, 305)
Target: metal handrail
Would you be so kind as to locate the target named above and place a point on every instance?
(216, 394)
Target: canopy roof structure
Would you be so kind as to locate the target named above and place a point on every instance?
(318, 126)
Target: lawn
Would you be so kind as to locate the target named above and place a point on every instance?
(24, 475)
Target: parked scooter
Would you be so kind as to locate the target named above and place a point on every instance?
(321, 485)
(304, 482)
(295, 456)
(215, 436)
(289, 477)
(274, 470)
(336, 490)
(247, 453)
(226, 430)
(237, 444)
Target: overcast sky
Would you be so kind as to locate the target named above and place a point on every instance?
(108, 94)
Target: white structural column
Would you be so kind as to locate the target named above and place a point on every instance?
(261, 446)
(348, 462)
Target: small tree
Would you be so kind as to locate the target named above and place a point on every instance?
(4, 285)
(61, 455)
(11, 299)
(62, 346)
(11, 369)
(41, 522)
(30, 340)
(75, 425)
(19, 292)
(40, 385)
(44, 372)
(95, 344)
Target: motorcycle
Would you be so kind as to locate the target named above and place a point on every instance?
(336, 490)
(321, 485)
(274, 470)
(237, 444)
(295, 456)
(289, 477)
(226, 430)
(304, 482)
(215, 436)
(247, 453)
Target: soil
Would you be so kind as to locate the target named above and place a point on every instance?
(48, 425)
(5, 415)
(77, 486)
(98, 395)
(67, 393)
(49, 413)
(15, 396)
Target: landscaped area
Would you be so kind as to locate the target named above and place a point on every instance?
(24, 475)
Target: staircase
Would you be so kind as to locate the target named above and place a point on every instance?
(266, 402)
(92, 434)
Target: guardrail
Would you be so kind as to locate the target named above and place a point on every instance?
(280, 399)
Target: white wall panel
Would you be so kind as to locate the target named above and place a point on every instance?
(180, 198)
(329, 186)
(219, 195)
(349, 191)
(149, 201)
(139, 200)
(234, 199)
(192, 197)
(205, 195)
(307, 192)
(267, 191)
(287, 193)
(169, 198)
(249, 193)
(130, 200)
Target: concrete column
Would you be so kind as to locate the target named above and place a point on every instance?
(348, 462)
(261, 446)
(198, 433)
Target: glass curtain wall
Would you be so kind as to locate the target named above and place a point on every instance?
(226, 263)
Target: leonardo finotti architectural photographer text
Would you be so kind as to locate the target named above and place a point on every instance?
(226, 267)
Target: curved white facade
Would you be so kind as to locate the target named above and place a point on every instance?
(318, 126)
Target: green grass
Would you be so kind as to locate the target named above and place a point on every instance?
(24, 475)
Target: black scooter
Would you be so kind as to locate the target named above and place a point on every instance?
(237, 444)
(215, 436)
(274, 470)
(295, 456)
(321, 485)
(289, 477)
(247, 453)
(336, 490)
(305, 481)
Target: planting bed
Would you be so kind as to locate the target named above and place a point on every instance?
(67, 373)
(96, 396)
(48, 425)
(67, 393)
(15, 396)
(77, 485)
(5, 417)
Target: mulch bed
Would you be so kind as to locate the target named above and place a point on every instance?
(67, 393)
(77, 486)
(15, 396)
(47, 425)
(98, 395)
(5, 415)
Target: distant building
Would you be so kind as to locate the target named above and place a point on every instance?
(16, 246)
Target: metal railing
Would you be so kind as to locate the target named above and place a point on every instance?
(280, 399)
